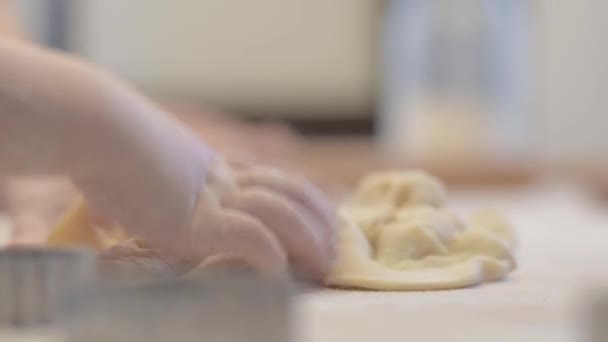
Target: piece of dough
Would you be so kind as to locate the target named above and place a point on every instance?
(371, 218)
(400, 189)
(77, 228)
(387, 242)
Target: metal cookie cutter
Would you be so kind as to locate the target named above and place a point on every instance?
(595, 318)
(35, 281)
(221, 308)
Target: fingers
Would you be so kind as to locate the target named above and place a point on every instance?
(295, 188)
(239, 235)
(295, 229)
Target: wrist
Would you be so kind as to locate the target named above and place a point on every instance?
(147, 169)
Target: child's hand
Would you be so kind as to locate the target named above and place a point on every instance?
(264, 218)
(137, 166)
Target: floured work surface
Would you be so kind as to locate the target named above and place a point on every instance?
(563, 251)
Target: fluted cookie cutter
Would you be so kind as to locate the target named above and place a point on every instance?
(219, 308)
(35, 281)
(595, 315)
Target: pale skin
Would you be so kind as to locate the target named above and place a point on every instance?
(137, 166)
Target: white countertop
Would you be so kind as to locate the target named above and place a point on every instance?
(563, 253)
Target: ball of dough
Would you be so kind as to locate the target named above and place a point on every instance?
(401, 241)
(441, 222)
(415, 233)
(396, 235)
(401, 189)
(370, 218)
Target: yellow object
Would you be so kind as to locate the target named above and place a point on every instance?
(396, 235)
(77, 228)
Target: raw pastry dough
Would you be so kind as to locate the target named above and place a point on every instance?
(77, 228)
(396, 235)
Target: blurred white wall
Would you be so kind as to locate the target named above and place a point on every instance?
(318, 56)
(573, 79)
(292, 55)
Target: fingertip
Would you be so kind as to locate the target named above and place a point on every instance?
(239, 234)
(296, 188)
(306, 243)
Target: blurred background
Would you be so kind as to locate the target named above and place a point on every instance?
(309, 61)
(522, 78)
(478, 92)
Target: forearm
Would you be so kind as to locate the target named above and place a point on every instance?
(41, 96)
(133, 162)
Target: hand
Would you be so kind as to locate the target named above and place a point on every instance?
(137, 166)
(265, 218)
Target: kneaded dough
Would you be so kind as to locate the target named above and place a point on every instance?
(395, 234)
(77, 228)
